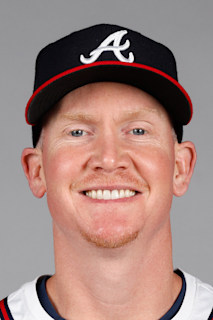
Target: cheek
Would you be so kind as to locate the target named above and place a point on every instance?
(60, 166)
(155, 157)
(61, 170)
(161, 167)
(157, 168)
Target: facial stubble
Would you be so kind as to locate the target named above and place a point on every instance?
(111, 242)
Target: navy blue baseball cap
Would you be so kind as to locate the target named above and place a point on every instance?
(102, 53)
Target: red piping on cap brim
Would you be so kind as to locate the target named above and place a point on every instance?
(105, 63)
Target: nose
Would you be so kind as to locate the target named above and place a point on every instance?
(109, 154)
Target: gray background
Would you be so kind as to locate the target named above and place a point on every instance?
(26, 26)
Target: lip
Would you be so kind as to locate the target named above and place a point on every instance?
(111, 187)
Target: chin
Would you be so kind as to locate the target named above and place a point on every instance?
(110, 240)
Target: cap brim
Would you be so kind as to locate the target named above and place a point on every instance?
(164, 88)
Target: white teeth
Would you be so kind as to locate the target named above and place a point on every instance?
(106, 194)
(93, 194)
(110, 194)
(127, 193)
(99, 194)
(115, 194)
(122, 194)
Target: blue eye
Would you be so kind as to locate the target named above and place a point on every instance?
(77, 133)
(138, 131)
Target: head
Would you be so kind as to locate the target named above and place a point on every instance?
(105, 120)
(110, 164)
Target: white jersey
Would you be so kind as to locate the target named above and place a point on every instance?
(25, 305)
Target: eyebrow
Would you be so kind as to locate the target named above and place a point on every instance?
(78, 117)
(131, 115)
(127, 115)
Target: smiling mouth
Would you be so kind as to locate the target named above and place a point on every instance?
(110, 194)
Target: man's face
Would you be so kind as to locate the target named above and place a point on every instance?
(108, 162)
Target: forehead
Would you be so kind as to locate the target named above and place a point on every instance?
(116, 100)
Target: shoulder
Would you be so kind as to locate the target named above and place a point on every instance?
(199, 289)
(198, 300)
(23, 304)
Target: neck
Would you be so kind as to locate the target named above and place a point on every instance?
(132, 282)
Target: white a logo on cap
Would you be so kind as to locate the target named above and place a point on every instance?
(116, 48)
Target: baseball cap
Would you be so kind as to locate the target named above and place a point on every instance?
(107, 52)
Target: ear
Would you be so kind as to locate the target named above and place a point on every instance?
(31, 160)
(185, 159)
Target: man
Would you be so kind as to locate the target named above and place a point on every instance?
(107, 114)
